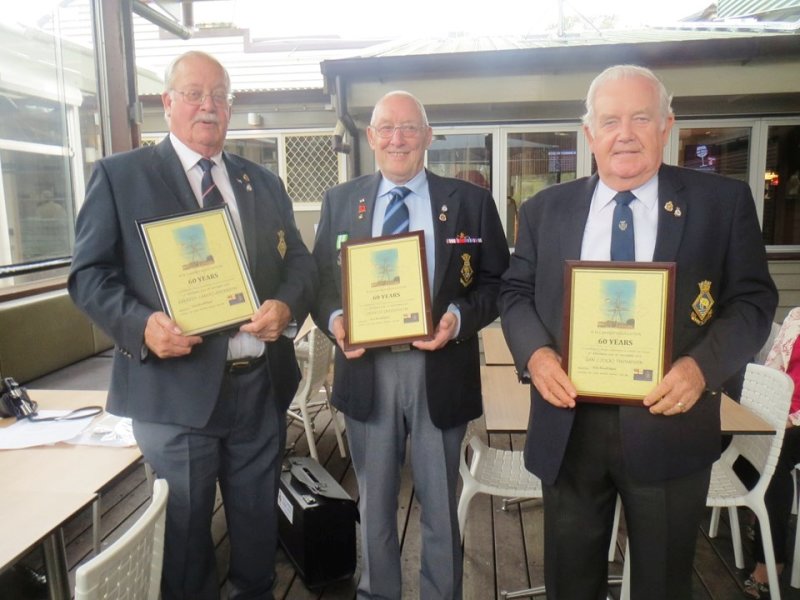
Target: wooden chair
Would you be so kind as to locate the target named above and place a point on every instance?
(318, 356)
(768, 393)
(130, 568)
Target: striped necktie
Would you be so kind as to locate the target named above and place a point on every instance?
(209, 189)
(622, 247)
(396, 219)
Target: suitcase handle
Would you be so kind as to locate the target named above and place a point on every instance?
(306, 477)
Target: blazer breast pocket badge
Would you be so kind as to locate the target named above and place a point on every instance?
(702, 305)
(466, 270)
(281, 243)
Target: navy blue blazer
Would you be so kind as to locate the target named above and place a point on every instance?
(711, 232)
(111, 282)
(452, 373)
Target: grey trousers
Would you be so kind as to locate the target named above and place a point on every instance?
(241, 446)
(378, 449)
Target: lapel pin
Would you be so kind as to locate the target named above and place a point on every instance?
(668, 206)
(443, 213)
(362, 208)
(678, 212)
(245, 177)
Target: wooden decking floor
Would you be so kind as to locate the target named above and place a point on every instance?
(502, 548)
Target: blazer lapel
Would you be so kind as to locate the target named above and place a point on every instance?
(574, 222)
(168, 166)
(361, 208)
(443, 201)
(246, 203)
(673, 211)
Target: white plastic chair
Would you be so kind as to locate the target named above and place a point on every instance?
(501, 473)
(495, 472)
(130, 568)
(315, 369)
(768, 393)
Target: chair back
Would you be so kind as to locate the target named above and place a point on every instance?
(768, 393)
(761, 357)
(130, 568)
(315, 369)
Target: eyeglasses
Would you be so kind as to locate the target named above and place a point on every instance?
(196, 98)
(387, 131)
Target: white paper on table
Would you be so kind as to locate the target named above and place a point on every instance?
(108, 430)
(26, 434)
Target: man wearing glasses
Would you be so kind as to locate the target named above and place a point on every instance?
(212, 408)
(424, 393)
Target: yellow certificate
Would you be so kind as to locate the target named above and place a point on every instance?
(385, 291)
(200, 270)
(617, 328)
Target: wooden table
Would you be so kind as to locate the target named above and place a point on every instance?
(506, 406)
(44, 486)
(495, 349)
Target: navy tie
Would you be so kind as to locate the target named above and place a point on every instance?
(209, 189)
(396, 219)
(622, 247)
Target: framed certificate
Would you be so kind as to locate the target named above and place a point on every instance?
(617, 328)
(385, 291)
(199, 269)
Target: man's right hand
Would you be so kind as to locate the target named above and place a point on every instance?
(338, 331)
(163, 337)
(550, 378)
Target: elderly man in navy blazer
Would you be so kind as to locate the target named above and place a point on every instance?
(656, 455)
(428, 392)
(203, 408)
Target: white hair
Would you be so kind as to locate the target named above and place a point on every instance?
(618, 72)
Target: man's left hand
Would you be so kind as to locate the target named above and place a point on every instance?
(445, 331)
(269, 321)
(679, 390)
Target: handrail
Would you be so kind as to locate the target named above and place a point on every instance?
(34, 266)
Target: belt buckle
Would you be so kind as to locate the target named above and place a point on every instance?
(236, 366)
(400, 348)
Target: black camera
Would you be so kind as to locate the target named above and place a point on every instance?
(14, 400)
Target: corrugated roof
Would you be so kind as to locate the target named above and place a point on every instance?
(462, 43)
(727, 9)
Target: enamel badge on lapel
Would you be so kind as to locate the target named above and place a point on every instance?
(702, 305)
(668, 206)
(281, 243)
(443, 213)
(466, 270)
(362, 209)
(248, 187)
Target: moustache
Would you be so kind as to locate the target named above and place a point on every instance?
(206, 118)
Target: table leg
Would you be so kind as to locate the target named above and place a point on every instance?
(55, 560)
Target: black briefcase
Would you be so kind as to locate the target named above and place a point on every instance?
(316, 523)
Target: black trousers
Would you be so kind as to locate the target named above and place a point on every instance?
(662, 518)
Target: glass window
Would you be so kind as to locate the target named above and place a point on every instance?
(537, 160)
(723, 150)
(39, 207)
(466, 156)
(49, 132)
(781, 225)
(263, 151)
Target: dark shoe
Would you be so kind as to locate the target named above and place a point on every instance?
(754, 589)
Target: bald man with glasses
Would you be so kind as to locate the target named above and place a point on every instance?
(425, 393)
